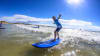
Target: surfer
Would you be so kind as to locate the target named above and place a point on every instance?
(59, 26)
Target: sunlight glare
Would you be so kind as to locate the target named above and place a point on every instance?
(74, 2)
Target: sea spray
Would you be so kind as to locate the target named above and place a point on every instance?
(73, 41)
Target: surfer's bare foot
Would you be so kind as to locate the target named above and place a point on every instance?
(58, 38)
(53, 40)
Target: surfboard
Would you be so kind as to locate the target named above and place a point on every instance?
(47, 44)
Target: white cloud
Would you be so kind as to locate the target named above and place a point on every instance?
(76, 22)
(79, 24)
(24, 18)
(48, 21)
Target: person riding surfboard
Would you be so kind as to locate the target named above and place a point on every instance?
(59, 26)
(51, 42)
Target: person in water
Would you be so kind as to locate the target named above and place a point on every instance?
(1, 24)
(59, 26)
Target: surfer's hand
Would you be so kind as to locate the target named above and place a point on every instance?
(59, 15)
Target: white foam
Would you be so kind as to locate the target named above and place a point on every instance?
(80, 34)
(29, 27)
(70, 53)
(65, 34)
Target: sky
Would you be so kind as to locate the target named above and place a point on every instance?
(74, 11)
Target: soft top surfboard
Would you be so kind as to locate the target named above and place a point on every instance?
(47, 44)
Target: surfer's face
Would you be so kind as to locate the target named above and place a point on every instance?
(54, 18)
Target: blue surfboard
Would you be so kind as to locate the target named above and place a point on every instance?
(47, 44)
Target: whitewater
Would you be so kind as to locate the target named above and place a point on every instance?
(77, 39)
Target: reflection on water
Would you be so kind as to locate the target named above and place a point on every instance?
(18, 42)
(15, 41)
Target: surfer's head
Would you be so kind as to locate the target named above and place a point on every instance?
(53, 17)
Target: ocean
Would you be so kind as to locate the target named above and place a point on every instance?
(17, 39)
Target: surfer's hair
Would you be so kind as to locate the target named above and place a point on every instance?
(53, 17)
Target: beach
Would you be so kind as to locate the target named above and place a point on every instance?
(17, 39)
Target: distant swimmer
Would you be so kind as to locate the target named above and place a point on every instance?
(58, 24)
(38, 26)
(1, 24)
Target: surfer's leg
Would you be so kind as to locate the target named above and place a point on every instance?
(58, 29)
(58, 34)
(55, 35)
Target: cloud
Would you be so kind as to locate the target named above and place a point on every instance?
(79, 24)
(24, 18)
(48, 21)
(76, 22)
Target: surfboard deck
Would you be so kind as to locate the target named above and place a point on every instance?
(47, 44)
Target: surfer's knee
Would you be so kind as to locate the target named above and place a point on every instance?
(54, 31)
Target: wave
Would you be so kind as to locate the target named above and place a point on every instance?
(72, 36)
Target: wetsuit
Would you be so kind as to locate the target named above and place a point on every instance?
(59, 26)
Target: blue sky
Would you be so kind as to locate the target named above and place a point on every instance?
(86, 10)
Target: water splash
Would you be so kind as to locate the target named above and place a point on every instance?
(70, 37)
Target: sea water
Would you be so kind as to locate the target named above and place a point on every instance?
(17, 39)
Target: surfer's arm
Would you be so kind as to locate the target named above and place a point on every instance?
(59, 16)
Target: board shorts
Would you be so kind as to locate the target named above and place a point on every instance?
(58, 28)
